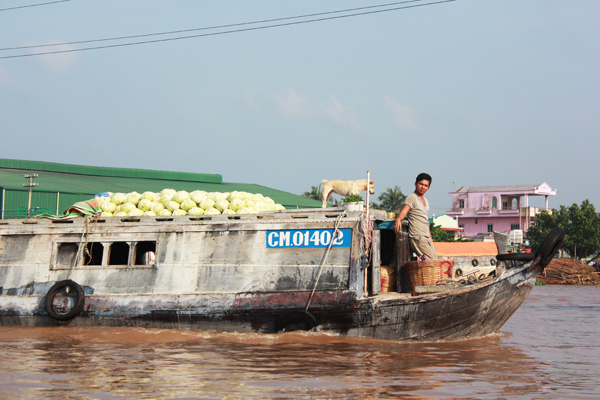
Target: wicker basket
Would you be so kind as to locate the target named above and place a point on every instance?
(427, 273)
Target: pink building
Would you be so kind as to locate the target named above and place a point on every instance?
(485, 209)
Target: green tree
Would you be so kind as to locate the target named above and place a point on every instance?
(391, 200)
(542, 225)
(316, 193)
(581, 225)
(375, 206)
(439, 235)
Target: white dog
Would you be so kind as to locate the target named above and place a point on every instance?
(345, 188)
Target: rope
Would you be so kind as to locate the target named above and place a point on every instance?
(366, 234)
(366, 239)
(84, 235)
(336, 232)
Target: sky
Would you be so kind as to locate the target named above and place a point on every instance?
(474, 92)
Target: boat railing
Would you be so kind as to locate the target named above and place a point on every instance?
(308, 215)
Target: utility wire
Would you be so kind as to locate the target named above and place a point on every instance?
(208, 28)
(231, 31)
(33, 5)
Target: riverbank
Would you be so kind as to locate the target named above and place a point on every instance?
(566, 271)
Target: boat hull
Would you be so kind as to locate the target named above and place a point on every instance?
(468, 312)
(263, 273)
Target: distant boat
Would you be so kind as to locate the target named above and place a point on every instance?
(268, 272)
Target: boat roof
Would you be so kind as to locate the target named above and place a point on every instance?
(472, 249)
(541, 189)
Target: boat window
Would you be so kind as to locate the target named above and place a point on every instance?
(145, 253)
(119, 253)
(93, 254)
(67, 252)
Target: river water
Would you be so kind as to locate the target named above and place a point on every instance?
(547, 350)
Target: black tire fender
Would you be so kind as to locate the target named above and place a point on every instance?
(515, 257)
(73, 290)
(492, 261)
(550, 246)
(475, 262)
(458, 272)
(291, 319)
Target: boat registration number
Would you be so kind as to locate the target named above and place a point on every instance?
(308, 238)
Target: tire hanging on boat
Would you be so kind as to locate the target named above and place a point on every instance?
(295, 320)
(475, 262)
(550, 246)
(68, 288)
(515, 257)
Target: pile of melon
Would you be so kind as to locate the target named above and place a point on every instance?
(172, 202)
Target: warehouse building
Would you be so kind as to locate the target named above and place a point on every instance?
(55, 187)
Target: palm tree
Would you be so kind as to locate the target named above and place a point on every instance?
(392, 200)
(317, 193)
(375, 206)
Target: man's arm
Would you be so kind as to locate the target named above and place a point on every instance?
(401, 215)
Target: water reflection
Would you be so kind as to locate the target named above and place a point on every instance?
(137, 363)
(547, 349)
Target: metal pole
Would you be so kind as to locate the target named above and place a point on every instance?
(368, 187)
(30, 186)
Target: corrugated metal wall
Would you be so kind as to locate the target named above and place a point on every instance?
(68, 199)
(13, 203)
(14, 199)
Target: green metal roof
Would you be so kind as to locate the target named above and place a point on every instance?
(109, 172)
(68, 178)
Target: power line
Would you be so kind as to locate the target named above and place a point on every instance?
(230, 31)
(33, 5)
(207, 28)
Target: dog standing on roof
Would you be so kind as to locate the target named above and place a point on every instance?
(345, 188)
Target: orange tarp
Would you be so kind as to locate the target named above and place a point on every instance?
(457, 249)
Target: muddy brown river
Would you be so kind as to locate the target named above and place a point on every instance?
(548, 350)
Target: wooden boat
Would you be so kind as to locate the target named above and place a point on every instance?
(267, 272)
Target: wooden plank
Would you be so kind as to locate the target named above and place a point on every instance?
(376, 263)
(435, 289)
(403, 255)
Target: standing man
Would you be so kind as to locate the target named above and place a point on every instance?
(416, 209)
